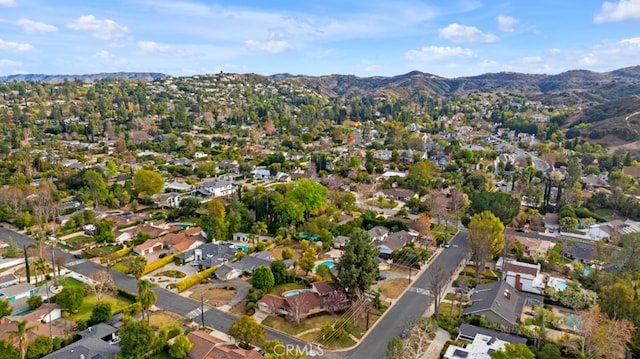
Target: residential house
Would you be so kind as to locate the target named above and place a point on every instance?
(185, 240)
(8, 280)
(593, 181)
(535, 247)
(206, 346)
(38, 318)
(382, 155)
(247, 264)
(501, 304)
(248, 237)
(214, 188)
(339, 241)
(399, 194)
(394, 241)
(323, 296)
(98, 341)
(388, 174)
(378, 233)
(481, 348)
(469, 332)
(522, 276)
(18, 291)
(261, 173)
(208, 255)
(149, 246)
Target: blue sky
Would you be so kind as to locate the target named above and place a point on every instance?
(375, 37)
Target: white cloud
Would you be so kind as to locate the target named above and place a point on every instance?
(14, 46)
(9, 63)
(100, 29)
(532, 59)
(507, 23)
(151, 47)
(272, 46)
(620, 11)
(465, 34)
(31, 26)
(7, 3)
(437, 53)
(631, 41)
(368, 66)
(109, 58)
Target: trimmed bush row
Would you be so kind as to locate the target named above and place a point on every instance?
(189, 282)
(150, 267)
(121, 252)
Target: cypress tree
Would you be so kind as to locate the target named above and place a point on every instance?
(26, 264)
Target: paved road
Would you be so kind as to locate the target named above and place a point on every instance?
(167, 300)
(411, 306)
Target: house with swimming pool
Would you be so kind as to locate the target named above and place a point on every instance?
(323, 296)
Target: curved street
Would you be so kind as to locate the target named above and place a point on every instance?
(410, 307)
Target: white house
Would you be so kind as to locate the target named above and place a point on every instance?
(481, 348)
(522, 276)
(382, 155)
(261, 173)
(216, 188)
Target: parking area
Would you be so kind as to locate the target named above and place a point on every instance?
(163, 281)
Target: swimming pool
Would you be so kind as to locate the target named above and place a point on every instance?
(557, 283)
(242, 247)
(573, 321)
(329, 264)
(293, 292)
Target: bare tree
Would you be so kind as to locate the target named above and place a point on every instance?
(103, 284)
(457, 199)
(297, 307)
(438, 279)
(416, 344)
(336, 301)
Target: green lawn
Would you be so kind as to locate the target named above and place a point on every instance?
(71, 282)
(108, 250)
(445, 307)
(604, 212)
(90, 301)
(336, 343)
(78, 240)
(384, 203)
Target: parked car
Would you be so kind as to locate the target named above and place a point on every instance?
(380, 278)
(77, 256)
(162, 255)
(405, 333)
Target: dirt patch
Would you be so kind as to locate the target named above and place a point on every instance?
(164, 319)
(276, 252)
(392, 288)
(239, 309)
(214, 296)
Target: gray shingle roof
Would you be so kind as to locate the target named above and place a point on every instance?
(494, 297)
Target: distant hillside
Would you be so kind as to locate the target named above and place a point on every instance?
(577, 86)
(143, 76)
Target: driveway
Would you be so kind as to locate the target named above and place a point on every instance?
(165, 281)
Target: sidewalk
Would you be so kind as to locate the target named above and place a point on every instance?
(442, 336)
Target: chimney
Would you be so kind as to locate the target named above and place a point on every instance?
(507, 294)
(518, 282)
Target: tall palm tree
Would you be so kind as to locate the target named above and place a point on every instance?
(40, 266)
(146, 296)
(21, 333)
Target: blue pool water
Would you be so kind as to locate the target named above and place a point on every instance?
(291, 293)
(329, 264)
(586, 271)
(558, 283)
(242, 247)
(573, 321)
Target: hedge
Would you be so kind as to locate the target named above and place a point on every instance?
(150, 267)
(121, 252)
(189, 282)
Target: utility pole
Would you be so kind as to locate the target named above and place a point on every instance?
(368, 312)
(202, 309)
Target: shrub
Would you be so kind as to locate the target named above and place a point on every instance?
(127, 295)
(120, 252)
(189, 282)
(157, 264)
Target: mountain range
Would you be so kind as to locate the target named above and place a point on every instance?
(576, 86)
